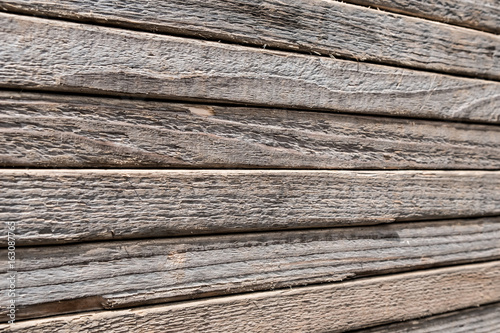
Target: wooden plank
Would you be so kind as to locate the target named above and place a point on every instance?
(76, 131)
(320, 26)
(57, 206)
(482, 15)
(329, 307)
(63, 56)
(62, 279)
(484, 319)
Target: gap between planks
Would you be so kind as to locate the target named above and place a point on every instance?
(483, 15)
(483, 319)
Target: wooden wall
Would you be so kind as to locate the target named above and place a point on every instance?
(250, 165)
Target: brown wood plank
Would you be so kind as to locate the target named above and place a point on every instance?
(329, 307)
(321, 26)
(482, 15)
(62, 279)
(76, 131)
(484, 319)
(57, 206)
(55, 55)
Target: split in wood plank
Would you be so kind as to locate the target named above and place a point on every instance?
(76, 131)
(484, 319)
(482, 15)
(58, 206)
(319, 26)
(71, 278)
(329, 307)
(63, 56)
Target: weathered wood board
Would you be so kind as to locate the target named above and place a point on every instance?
(482, 15)
(57, 206)
(79, 131)
(325, 27)
(62, 279)
(484, 319)
(286, 87)
(63, 56)
(329, 307)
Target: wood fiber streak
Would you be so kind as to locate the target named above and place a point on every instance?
(484, 319)
(122, 274)
(63, 56)
(61, 131)
(325, 308)
(57, 206)
(320, 26)
(482, 15)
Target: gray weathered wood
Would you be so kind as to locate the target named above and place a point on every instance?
(485, 319)
(57, 206)
(325, 308)
(62, 279)
(77, 131)
(54, 55)
(322, 26)
(482, 15)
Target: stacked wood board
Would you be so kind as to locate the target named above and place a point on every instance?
(250, 166)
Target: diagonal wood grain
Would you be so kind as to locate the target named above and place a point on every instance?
(326, 308)
(63, 279)
(76, 131)
(63, 56)
(484, 319)
(482, 15)
(58, 206)
(322, 26)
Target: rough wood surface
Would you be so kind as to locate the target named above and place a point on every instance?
(55, 55)
(322, 26)
(63, 131)
(57, 206)
(325, 308)
(484, 319)
(62, 279)
(482, 15)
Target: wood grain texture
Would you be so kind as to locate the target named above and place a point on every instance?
(63, 279)
(57, 206)
(326, 308)
(321, 26)
(482, 15)
(484, 319)
(63, 56)
(76, 131)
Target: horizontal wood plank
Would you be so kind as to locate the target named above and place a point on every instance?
(57, 206)
(321, 26)
(330, 307)
(484, 319)
(75, 131)
(63, 279)
(482, 15)
(63, 56)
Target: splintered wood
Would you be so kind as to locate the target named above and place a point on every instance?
(250, 166)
